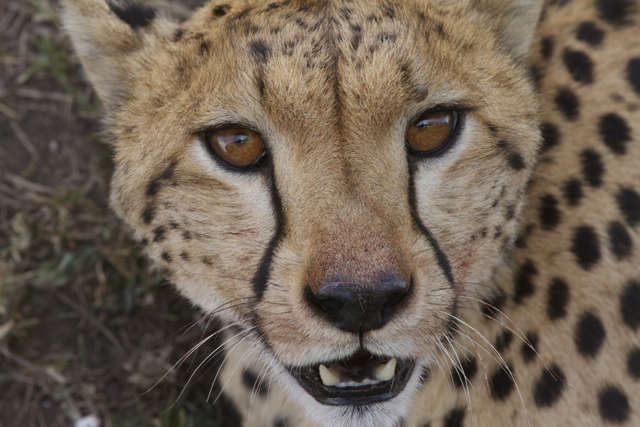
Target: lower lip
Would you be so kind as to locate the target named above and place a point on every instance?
(310, 380)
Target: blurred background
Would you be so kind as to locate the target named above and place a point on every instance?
(87, 327)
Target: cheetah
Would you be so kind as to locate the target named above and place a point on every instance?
(405, 213)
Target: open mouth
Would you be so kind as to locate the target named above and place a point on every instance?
(359, 380)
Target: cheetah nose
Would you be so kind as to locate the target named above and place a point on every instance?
(356, 308)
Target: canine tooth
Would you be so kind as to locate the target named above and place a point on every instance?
(329, 376)
(386, 371)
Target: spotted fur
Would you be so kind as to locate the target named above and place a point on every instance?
(520, 243)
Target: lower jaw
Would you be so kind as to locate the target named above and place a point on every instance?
(311, 382)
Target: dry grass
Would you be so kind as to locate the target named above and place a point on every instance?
(86, 327)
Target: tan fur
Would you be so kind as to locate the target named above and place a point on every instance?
(331, 87)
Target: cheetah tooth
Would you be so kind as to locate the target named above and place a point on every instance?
(329, 376)
(385, 371)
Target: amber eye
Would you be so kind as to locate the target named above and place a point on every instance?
(431, 131)
(238, 147)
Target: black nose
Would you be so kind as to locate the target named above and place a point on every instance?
(357, 308)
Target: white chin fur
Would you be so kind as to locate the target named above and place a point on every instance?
(383, 414)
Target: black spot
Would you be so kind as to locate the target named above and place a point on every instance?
(143, 242)
(550, 136)
(509, 213)
(155, 184)
(573, 191)
(557, 299)
(592, 167)
(620, 240)
(177, 36)
(158, 234)
(345, 13)
(502, 144)
(633, 74)
(546, 47)
(549, 387)
(516, 161)
(568, 103)
(589, 335)
(166, 256)
(260, 50)
(616, 12)
(630, 305)
(491, 308)
(220, 11)
(186, 235)
(204, 47)
(152, 187)
(454, 418)
(273, 5)
(549, 212)
(501, 383)
(579, 65)
(589, 33)
(586, 246)
(503, 341)
(498, 233)
(251, 381)
(387, 37)
(467, 369)
(207, 260)
(389, 11)
(523, 281)
(629, 204)
(184, 256)
(614, 405)
(136, 16)
(148, 214)
(633, 363)
(615, 132)
(173, 225)
(529, 354)
(356, 37)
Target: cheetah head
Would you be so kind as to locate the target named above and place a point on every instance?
(332, 177)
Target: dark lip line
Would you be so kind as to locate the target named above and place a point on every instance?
(310, 381)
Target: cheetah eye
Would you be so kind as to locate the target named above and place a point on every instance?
(431, 132)
(237, 147)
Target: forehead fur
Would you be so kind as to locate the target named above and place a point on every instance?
(350, 65)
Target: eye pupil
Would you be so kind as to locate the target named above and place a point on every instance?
(237, 147)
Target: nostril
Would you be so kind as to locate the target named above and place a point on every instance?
(390, 305)
(331, 305)
(327, 305)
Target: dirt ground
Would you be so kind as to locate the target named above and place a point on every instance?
(87, 328)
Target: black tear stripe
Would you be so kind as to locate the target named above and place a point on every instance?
(441, 257)
(261, 278)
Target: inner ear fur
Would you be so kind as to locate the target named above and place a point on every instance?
(109, 37)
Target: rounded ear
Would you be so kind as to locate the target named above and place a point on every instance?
(514, 20)
(107, 36)
(518, 25)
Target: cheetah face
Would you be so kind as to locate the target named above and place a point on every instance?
(333, 178)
